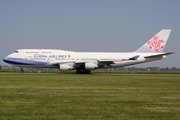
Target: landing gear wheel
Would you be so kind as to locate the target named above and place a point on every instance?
(83, 72)
(21, 71)
(88, 72)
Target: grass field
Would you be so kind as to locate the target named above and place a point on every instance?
(93, 71)
(71, 96)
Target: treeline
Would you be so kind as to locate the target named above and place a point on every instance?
(148, 69)
(111, 69)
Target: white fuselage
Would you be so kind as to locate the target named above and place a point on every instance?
(83, 62)
(48, 58)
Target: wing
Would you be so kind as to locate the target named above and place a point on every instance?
(101, 63)
(106, 62)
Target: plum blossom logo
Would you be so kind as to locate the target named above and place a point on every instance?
(156, 44)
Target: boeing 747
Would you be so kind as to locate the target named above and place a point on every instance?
(84, 62)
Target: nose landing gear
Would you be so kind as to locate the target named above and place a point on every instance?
(21, 71)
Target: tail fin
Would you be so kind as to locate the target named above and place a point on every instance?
(157, 43)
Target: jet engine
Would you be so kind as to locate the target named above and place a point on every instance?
(90, 66)
(65, 67)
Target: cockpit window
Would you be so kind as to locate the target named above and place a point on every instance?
(16, 51)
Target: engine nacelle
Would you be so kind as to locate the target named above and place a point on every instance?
(64, 67)
(90, 66)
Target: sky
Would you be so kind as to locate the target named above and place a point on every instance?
(89, 26)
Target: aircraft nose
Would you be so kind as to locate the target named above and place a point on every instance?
(5, 59)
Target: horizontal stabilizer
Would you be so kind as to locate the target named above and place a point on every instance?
(159, 55)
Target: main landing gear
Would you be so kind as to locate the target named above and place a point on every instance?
(83, 72)
(21, 71)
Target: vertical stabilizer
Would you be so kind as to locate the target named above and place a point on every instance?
(157, 43)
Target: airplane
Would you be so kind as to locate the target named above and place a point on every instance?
(84, 62)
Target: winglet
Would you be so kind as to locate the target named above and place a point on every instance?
(157, 43)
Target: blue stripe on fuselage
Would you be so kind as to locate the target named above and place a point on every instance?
(17, 61)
